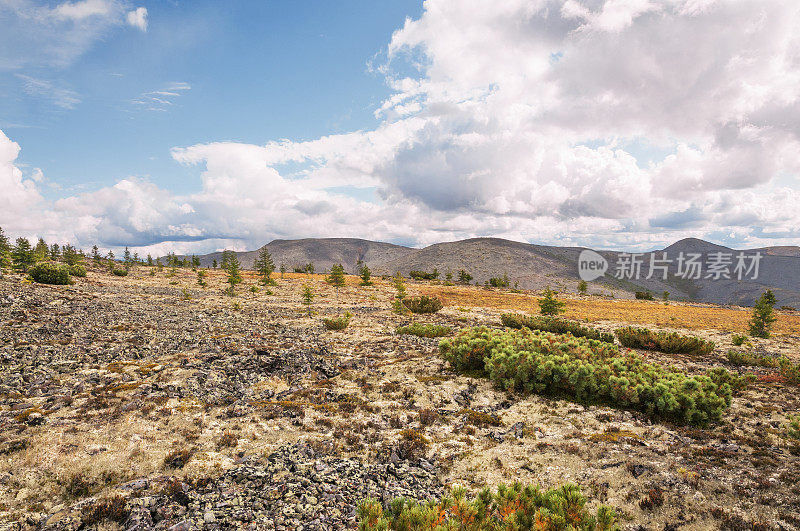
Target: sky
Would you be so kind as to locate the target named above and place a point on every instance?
(200, 126)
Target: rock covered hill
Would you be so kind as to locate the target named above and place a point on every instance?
(537, 266)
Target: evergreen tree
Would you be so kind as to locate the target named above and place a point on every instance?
(42, 251)
(231, 265)
(464, 277)
(283, 270)
(149, 260)
(400, 287)
(582, 287)
(96, 255)
(214, 263)
(5, 251)
(110, 255)
(549, 305)
(195, 262)
(55, 252)
(264, 266)
(126, 257)
(308, 297)
(70, 255)
(136, 258)
(769, 297)
(159, 265)
(366, 274)
(310, 268)
(336, 278)
(22, 255)
(763, 316)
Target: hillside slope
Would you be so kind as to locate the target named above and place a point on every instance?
(538, 266)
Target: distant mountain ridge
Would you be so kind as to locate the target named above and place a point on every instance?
(536, 266)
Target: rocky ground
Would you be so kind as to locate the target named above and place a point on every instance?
(145, 402)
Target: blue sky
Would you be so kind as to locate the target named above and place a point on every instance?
(200, 126)
(258, 71)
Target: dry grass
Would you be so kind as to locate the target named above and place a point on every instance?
(674, 315)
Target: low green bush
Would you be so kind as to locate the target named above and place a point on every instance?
(790, 371)
(738, 339)
(337, 323)
(555, 325)
(517, 507)
(720, 375)
(746, 359)
(792, 429)
(121, 272)
(669, 342)
(423, 304)
(77, 270)
(587, 371)
(499, 282)
(422, 275)
(425, 330)
(50, 273)
(644, 295)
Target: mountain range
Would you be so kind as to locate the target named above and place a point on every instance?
(534, 266)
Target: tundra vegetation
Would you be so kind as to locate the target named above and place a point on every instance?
(149, 399)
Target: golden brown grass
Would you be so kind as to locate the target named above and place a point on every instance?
(674, 315)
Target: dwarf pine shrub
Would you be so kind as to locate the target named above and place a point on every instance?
(77, 270)
(739, 358)
(720, 375)
(555, 325)
(519, 507)
(669, 342)
(587, 371)
(120, 272)
(423, 304)
(424, 275)
(337, 323)
(790, 371)
(425, 330)
(50, 273)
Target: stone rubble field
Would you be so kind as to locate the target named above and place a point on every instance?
(146, 402)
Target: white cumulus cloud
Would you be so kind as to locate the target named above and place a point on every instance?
(138, 18)
(616, 123)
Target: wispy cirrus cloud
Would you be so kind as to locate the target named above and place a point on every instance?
(163, 99)
(59, 96)
(35, 35)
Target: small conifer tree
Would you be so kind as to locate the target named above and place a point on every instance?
(55, 252)
(72, 257)
(366, 275)
(549, 304)
(265, 266)
(400, 286)
(283, 270)
(41, 252)
(22, 255)
(5, 251)
(231, 265)
(464, 277)
(336, 278)
(582, 287)
(763, 316)
(308, 298)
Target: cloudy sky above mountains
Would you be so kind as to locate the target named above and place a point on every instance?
(602, 123)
